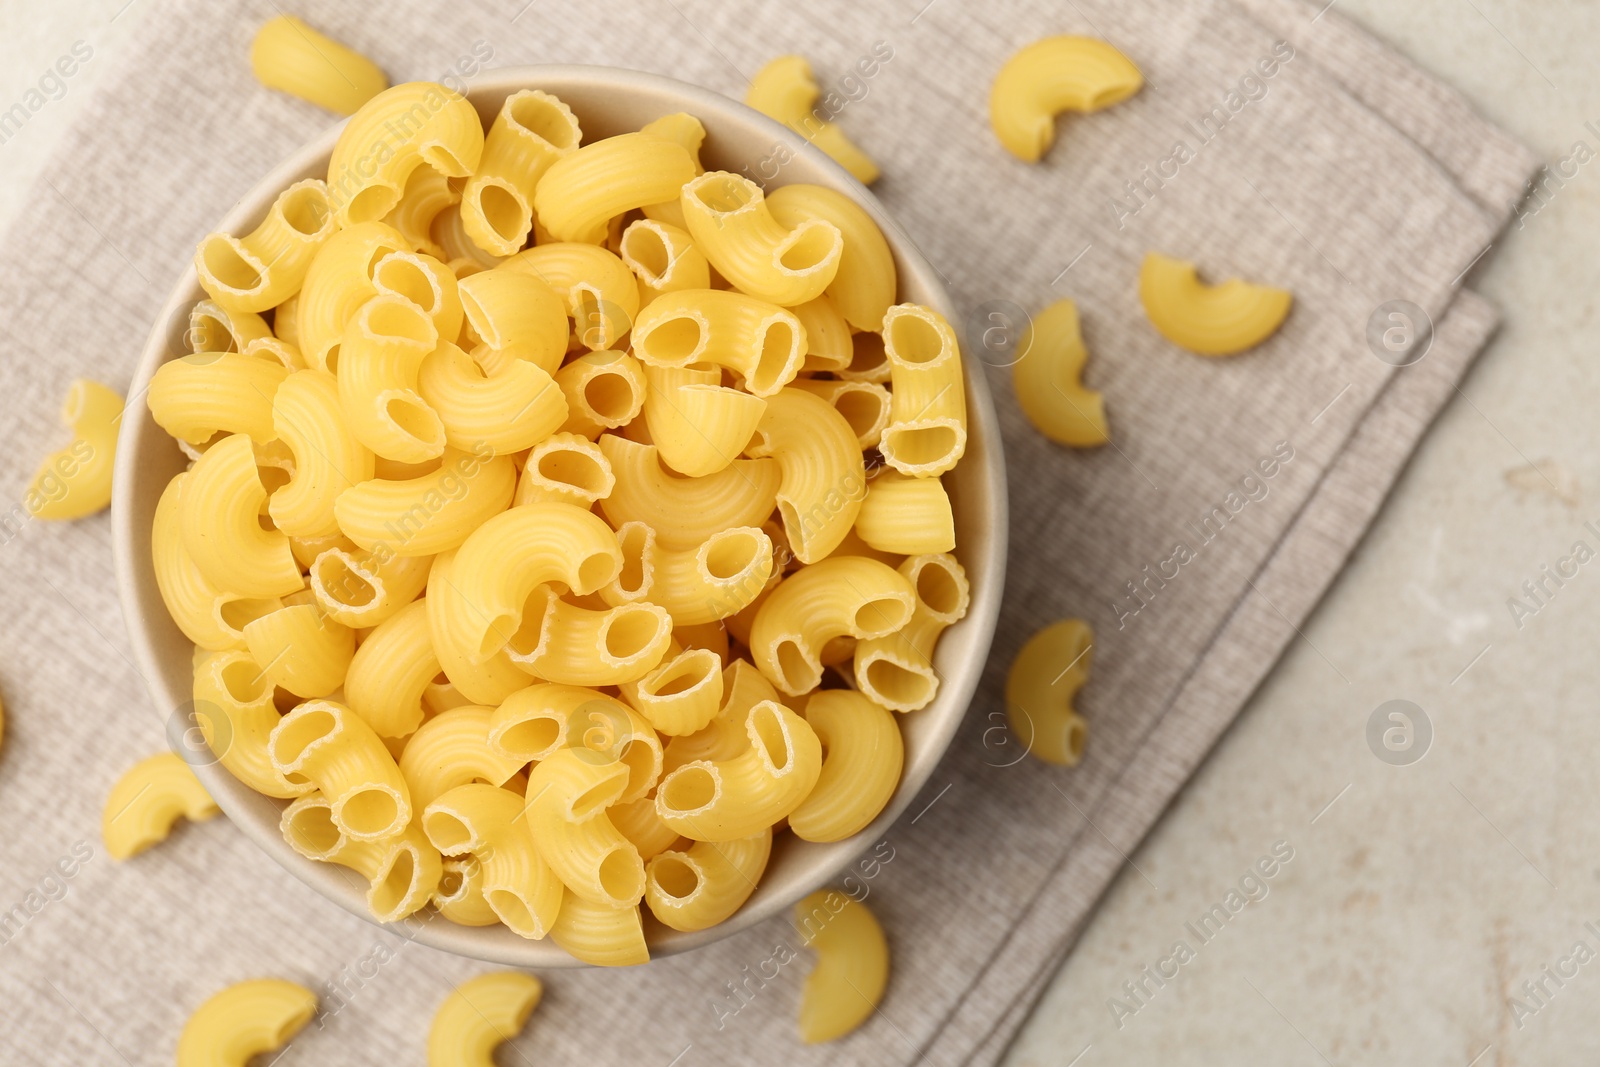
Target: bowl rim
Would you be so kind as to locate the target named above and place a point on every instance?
(494, 944)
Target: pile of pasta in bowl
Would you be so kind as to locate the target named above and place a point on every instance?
(564, 521)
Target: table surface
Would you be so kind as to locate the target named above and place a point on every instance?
(1423, 902)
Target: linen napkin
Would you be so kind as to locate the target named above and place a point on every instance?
(1344, 175)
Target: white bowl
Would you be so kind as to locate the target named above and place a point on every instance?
(607, 101)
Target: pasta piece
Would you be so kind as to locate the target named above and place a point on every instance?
(733, 225)
(684, 512)
(196, 397)
(852, 969)
(683, 129)
(452, 749)
(638, 822)
(214, 328)
(234, 711)
(565, 468)
(743, 687)
(379, 360)
(864, 405)
(759, 341)
(274, 350)
(328, 457)
(785, 90)
(291, 57)
(715, 579)
(497, 568)
(207, 616)
(927, 431)
(1050, 76)
(823, 477)
(511, 308)
(844, 595)
(487, 822)
(869, 362)
(268, 265)
(413, 124)
(682, 695)
(600, 935)
(243, 1021)
(698, 425)
(531, 132)
(828, 344)
(286, 319)
(896, 670)
(664, 257)
(537, 722)
(387, 676)
(907, 516)
(860, 768)
(1049, 381)
(307, 549)
(459, 897)
(219, 516)
(478, 1015)
(402, 871)
(581, 192)
(427, 283)
(601, 293)
(1040, 687)
(746, 793)
(362, 589)
(1210, 320)
(571, 645)
(603, 390)
(487, 681)
(324, 742)
(866, 282)
(147, 800)
(706, 883)
(427, 194)
(76, 480)
(567, 797)
(301, 649)
(337, 284)
(460, 251)
(430, 513)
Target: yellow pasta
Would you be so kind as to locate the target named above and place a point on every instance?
(413, 124)
(234, 710)
(478, 1015)
(486, 681)
(536, 722)
(896, 669)
(300, 649)
(427, 283)
(388, 674)
(603, 390)
(711, 581)
(860, 770)
(147, 800)
(337, 283)
(567, 797)
(572, 645)
(430, 513)
(244, 1021)
(531, 132)
(328, 457)
(267, 266)
(785, 90)
(828, 343)
(852, 969)
(402, 871)
(219, 516)
(207, 616)
(680, 696)
(360, 588)
(487, 822)
(841, 596)
(683, 129)
(196, 397)
(324, 742)
(513, 308)
(907, 516)
(705, 883)
(664, 257)
(684, 512)
(452, 749)
(459, 897)
(732, 224)
(824, 478)
(599, 934)
(638, 822)
(865, 284)
(739, 796)
(743, 687)
(379, 360)
(864, 405)
(565, 468)
(1050, 76)
(698, 425)
(1211, 320)
(214, 328)
(291, 57)
(762, 343)
(1041, 685)
(927, 431)
(601, 293)
(581, 192)
(427, 195)
(1049, 381)
(76, 480)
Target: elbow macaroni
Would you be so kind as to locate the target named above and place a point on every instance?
(1211, 320)
(732, 224)
(244, 1021)
(852, 969)
(1050, 76)
(1049, 381)
(478, 1015)
(1041, 685)
(291, 57)
(147, 800)
(785, 90)
(76, 480)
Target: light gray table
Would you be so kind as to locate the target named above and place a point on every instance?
(1420, 898)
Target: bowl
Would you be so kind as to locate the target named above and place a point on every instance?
(607, 101)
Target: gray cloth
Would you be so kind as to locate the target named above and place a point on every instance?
(1346, 176)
